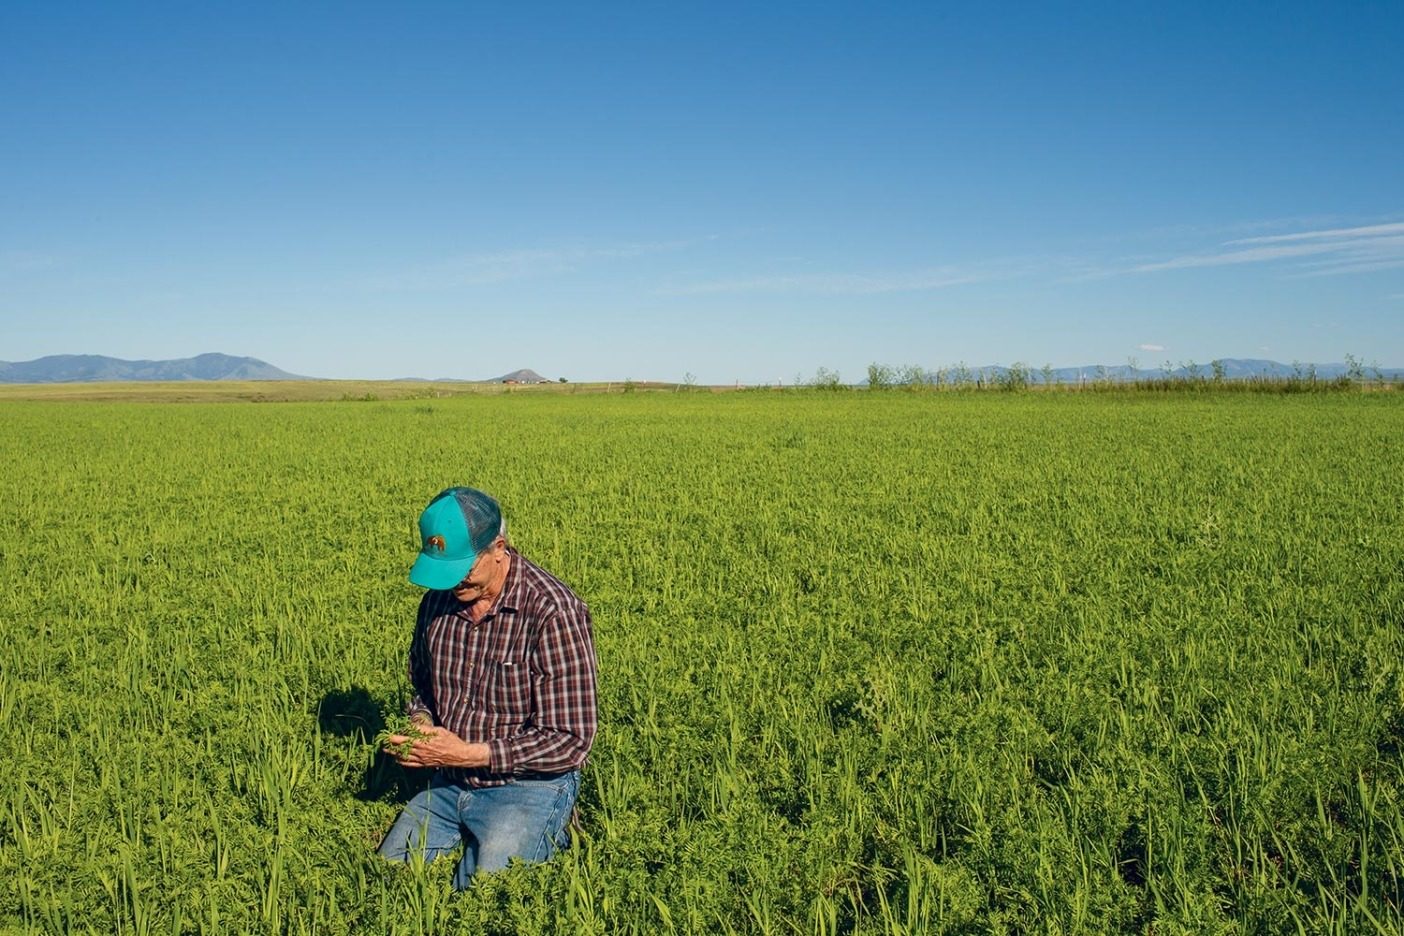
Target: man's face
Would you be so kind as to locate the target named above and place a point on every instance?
(485, 572)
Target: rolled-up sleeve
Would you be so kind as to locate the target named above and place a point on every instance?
(563, 722)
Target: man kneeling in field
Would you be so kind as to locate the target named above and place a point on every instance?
(503, 669)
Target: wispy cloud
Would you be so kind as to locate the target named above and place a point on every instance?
(485, 269)
(1150, 347)
(1252, 255)
(1328, 252)
(1373, 230)
(837, 283)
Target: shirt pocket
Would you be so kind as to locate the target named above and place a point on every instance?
(507, 688)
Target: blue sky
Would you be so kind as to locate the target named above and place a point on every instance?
(744, 192)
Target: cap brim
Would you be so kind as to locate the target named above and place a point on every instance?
(439, 574)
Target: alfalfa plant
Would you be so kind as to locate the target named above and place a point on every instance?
(400, 726)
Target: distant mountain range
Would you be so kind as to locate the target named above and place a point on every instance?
(92, 368)
(86, 368)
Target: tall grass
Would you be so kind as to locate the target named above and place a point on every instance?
(898, 663)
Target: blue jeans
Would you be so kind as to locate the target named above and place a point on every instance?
(525, 819)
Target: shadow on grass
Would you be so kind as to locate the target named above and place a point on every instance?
(350, 713)
(355, 713)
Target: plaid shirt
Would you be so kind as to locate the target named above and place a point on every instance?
(522, 678)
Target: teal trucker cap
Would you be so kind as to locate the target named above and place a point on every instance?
(458, 524)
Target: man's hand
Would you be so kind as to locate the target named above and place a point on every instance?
(441, 748)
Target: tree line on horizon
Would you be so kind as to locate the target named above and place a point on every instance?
(1300, 376)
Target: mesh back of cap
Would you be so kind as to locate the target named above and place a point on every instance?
(483, 515)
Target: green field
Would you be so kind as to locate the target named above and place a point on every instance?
(870, 662)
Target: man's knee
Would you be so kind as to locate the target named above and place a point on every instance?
(408, 836)
(529, 823)
(419, 831)
(499, 845)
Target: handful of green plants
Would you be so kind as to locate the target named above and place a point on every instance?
(401, 726)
